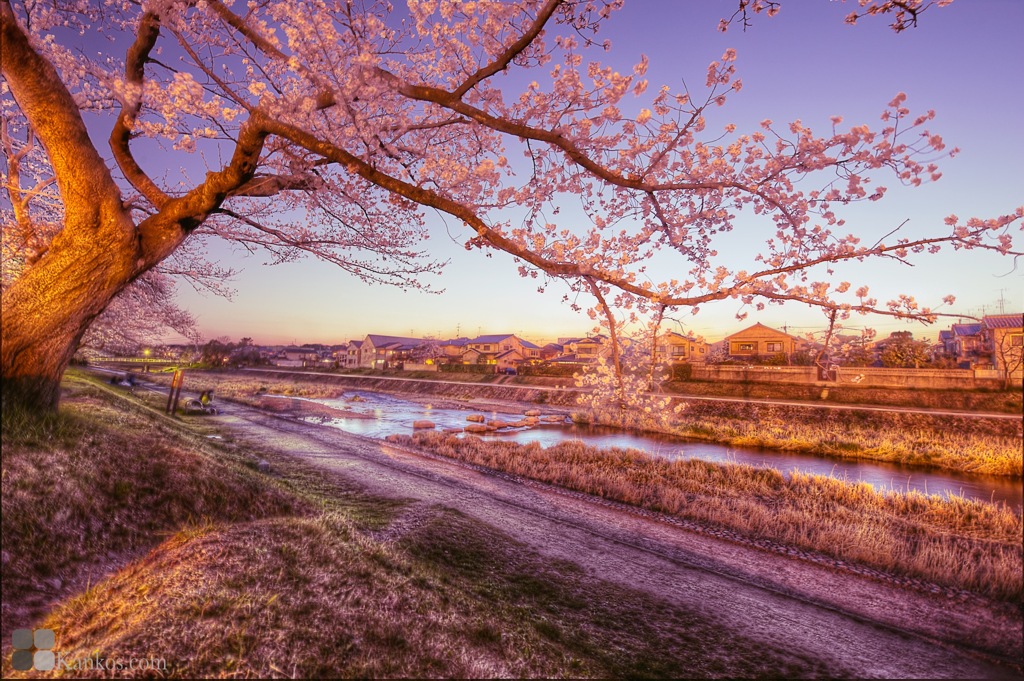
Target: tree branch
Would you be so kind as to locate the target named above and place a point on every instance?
(120, 136)
(81, 174)
(513, 50)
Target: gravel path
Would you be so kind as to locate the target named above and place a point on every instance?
(849, 621)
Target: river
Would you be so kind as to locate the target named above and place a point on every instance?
(392, 414)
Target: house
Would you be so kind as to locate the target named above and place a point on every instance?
(474, 356)
(297, 357)
(550, 351)
(584, 350)
(508, 360)
(1002, 341)
(452, 349)
(760, 341)
(353, 353)
(944, 346)
(967, 345)
(486, 349)
(674, 348)
(383, 352)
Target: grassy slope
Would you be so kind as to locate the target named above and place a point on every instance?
(224, 571)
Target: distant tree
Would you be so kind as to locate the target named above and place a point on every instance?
(217, 352)
(902, 351)
(802, 358)
(331, 126)
(856, 354)
(245, 353)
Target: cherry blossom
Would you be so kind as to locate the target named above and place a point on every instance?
(329, 128)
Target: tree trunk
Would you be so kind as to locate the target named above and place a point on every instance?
(48, 308)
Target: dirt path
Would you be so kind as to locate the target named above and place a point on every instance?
(847, 621)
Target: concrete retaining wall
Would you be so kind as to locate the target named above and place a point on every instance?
(873, 377)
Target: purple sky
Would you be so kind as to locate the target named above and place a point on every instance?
(963, 61)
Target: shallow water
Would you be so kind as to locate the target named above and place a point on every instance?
(395, 415)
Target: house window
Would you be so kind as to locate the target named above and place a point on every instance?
(773, 347)
(745, 347)
(702, 350)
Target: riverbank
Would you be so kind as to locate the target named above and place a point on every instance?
(824, 392)
(132, 535)
(958, 543)
(942, 441)
(947, 442)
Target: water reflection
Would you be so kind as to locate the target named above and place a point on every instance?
(395, 415)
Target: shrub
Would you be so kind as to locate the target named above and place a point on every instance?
(466, 368)
(682, 372)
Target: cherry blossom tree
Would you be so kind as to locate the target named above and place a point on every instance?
(329, 127)
(143, 313)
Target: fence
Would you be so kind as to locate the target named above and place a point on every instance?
(874, 377)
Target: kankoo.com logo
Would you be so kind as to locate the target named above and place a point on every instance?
(33, 649)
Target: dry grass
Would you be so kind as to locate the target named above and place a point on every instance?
(98, 481)
(983, 446)
(225, 572)
(953, 443)
(961, 543)
(314, 597)
(297, 597)
(247, 389)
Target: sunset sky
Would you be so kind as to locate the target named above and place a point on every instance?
(963, 61)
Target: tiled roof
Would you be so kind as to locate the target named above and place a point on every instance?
(493, 338)
(1003, 321)
(690, 337)
(760, 327)
(966, 329)
(380, 341)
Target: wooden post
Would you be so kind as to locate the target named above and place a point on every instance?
(175, 394)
